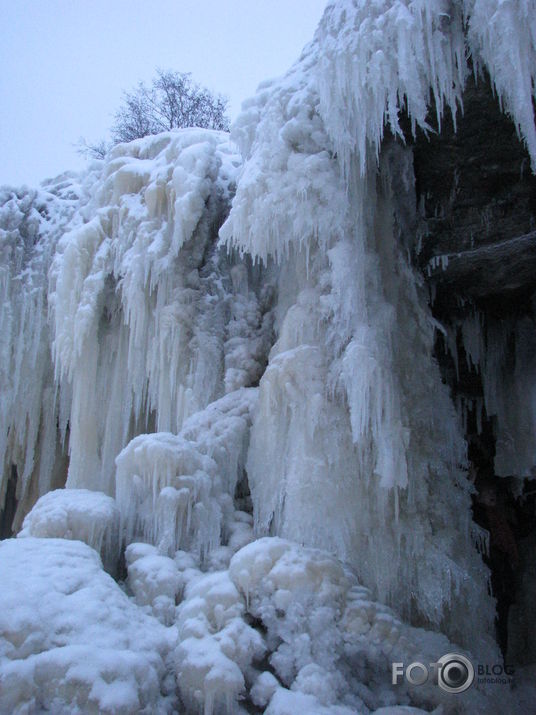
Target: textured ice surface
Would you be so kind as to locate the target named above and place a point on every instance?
(176, 491)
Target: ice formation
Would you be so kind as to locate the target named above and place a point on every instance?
(176, 490)
(230, 344)
(30, 224)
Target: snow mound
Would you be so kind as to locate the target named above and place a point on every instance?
(70, 639)
(217, 647)
(91, 517)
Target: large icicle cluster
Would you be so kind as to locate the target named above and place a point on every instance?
(30, 225)
(141, 300)
(351, 404)
(259, 417)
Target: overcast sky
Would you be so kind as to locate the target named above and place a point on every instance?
(65, 63)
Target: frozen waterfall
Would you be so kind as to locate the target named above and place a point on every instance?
(219, 372)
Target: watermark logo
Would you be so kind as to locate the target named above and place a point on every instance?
(495, 674)
(453, 672)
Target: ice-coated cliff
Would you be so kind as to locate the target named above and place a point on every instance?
(218, 372)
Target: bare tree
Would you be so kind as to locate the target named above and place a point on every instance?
(172, 101)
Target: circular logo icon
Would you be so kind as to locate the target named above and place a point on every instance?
(455, 673)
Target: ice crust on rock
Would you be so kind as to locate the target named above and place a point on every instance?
(79, 514)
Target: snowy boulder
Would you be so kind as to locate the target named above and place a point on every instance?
(70, 639)
(331, 645)
(91, 517)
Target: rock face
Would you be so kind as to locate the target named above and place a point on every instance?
(474, 182)
(476, 202)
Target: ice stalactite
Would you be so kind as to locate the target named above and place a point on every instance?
(502, 38)
(501, 350)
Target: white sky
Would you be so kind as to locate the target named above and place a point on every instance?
(65, 63)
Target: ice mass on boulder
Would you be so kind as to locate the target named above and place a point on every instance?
(238, 475)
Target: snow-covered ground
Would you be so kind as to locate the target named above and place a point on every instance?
(249, 423)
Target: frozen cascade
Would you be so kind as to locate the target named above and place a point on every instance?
(262, 413)
(351, 396)
(30, 225)
(141, 300)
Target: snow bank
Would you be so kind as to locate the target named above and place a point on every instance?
(91, 517)
(70, 639)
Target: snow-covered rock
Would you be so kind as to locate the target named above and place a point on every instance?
(91, 517)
